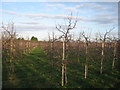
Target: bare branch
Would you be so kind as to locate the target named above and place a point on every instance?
(60, 29)
(86, 38)
(107, 32)
(9, 29)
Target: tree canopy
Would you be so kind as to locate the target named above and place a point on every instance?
(20, 38)
(34, 38)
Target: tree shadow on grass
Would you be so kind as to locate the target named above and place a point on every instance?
(36, 72)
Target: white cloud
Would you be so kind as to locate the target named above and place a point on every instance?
(92, 6)
(71, 9)
(103, 14)
(11, 12)
(52, 16)
(105, 18)
(60, 0)
(40, 15)
(96, 7)
(54, 5)
(29, 23)
(33, 27)
(108, 20)
(101, 18)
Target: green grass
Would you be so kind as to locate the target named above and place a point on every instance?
(35, 70)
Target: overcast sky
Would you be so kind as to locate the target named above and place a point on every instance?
(40, 18)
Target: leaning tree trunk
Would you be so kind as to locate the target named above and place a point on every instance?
(101, 68)
(86, 64)
(115, 50)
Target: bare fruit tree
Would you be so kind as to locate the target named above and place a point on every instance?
(115, 53)
(65, 30)
(52, 41)
(87, 40)
(103, 39)
(114, 41)
(9, 30)
(78, 42)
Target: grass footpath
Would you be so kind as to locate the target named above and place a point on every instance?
(35, 70)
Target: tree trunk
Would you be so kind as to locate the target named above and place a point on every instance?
(78, 52)
(52, 52)
(101, 68)
(64, 76)
(115, 50)
(11, 60)
(86, 64)
(29, 47)
(66, 58)
(11, 56)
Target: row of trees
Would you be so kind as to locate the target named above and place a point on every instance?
(61, 47)
(13, 48)
(56, 48)
(32, 38)
(64, 44)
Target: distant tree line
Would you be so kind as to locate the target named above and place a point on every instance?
(32, 38)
